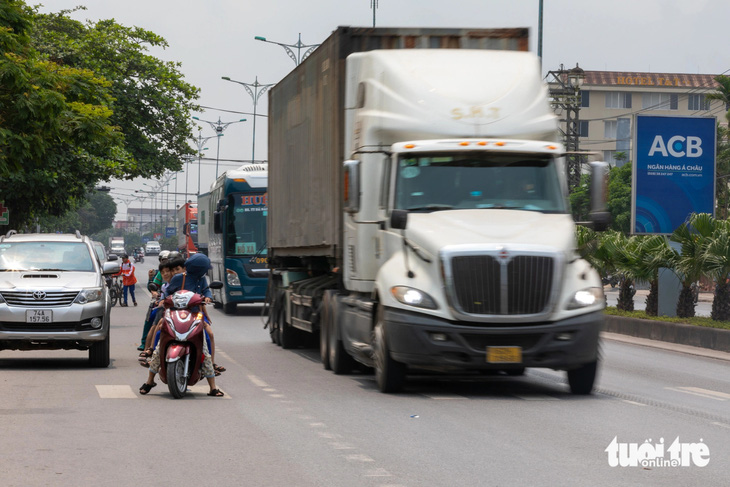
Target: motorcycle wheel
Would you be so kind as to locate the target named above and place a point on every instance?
(177, 382)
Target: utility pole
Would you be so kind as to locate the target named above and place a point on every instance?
(564, 90)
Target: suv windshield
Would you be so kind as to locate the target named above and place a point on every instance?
(431, 182)
(45, 256)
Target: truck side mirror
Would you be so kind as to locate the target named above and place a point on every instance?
(351, 185)
(399, 219)
(217, 223)
(600, 216)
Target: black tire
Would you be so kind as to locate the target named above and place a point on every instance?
(341, 362)
(389, 374)
(515, 372)
(230, 308)
(177, 382)
(324, 327)
(581, 379)
(99, 353)
(288, 335)
(114, 295)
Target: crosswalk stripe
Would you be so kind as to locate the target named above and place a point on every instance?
(116, 392)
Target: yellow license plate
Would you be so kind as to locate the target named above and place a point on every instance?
(504, 355)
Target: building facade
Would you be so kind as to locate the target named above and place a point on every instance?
(609, 101)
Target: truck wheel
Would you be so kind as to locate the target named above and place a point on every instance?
(340, 361)
(324, 328)
(99, 353)
(230, 308)
(287, 334)
(389, 374)
(581, 379)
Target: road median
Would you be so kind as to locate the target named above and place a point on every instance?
(679, 333)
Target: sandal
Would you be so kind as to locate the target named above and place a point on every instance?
(218, 368)
(144, 363)
(146, 353)
(216, 393)
(147, 388)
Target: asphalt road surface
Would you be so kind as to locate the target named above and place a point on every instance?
(285, 421)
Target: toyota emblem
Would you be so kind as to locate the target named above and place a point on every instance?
(39, 295)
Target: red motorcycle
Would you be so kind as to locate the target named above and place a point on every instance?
(182, 338)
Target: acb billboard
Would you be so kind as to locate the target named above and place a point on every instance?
(673, 171)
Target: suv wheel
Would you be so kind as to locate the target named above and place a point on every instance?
(99, 353)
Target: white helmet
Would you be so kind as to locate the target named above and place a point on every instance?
(164, 254)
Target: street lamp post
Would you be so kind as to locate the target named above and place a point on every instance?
(199, 142)
(254, 89)
(219, 127)
(298, 57)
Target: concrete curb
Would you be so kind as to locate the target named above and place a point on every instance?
(695, 336)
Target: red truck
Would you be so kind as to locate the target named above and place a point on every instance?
(187, 229)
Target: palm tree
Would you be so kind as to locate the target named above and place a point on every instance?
(717, 266)
(693, 236)
(653, 253)
(722, 93)
(623, 252)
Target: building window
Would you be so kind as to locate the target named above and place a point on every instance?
(583, 128)
(610, 157)
(659, 101)
(609, 129)
(698, 102)
(616, 99)
(585, 99)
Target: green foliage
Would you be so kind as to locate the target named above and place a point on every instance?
(580, 199)
(619, 198)
(90, 215)
(151, 102)
(55, 132)
(722, 93)
(696, 320)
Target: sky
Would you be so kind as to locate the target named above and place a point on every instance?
(212, 39)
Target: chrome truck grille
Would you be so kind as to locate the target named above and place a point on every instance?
(500, 284)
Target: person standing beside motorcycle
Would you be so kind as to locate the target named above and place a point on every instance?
(128, 279)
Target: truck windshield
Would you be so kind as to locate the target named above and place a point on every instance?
(474, 180)
(246, 225)
(194, 232)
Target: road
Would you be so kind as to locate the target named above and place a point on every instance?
(287, 422)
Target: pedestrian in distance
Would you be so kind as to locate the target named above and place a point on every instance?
(128, 279)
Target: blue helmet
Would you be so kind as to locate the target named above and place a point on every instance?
(197, 265)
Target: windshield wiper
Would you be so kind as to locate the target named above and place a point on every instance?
(257, 254)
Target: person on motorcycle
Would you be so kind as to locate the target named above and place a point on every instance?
(168, 269)
(196, 267)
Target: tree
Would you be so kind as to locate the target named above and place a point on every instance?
(56, 136)
(93, 214)
(619, 198)
(693, 236)
(151, 102)
(722, 93)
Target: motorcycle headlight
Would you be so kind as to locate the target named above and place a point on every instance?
(232, 278)
(88, 296)
(586, 297)
(413, 297)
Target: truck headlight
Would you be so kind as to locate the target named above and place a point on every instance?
(88, 296)
(586, 297)
(413, 297)
(232, 278)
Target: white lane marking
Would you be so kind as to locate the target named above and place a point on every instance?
(341, 446)
(723, 425)
(444, 397)
(277, 396)
(359, 457)
(329, 436)
(633, 402)
(317, 425)
(697, 391)
(256, 381)
(116, 392)
(268, 389)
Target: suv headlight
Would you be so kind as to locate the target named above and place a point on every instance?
(413, 297)
(586, 297)
(88, 296)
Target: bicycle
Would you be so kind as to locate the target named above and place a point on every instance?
(115, 289)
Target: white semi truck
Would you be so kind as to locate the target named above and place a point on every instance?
(418, 213)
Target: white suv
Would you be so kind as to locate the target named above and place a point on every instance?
(152, 248)
(53, 295)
